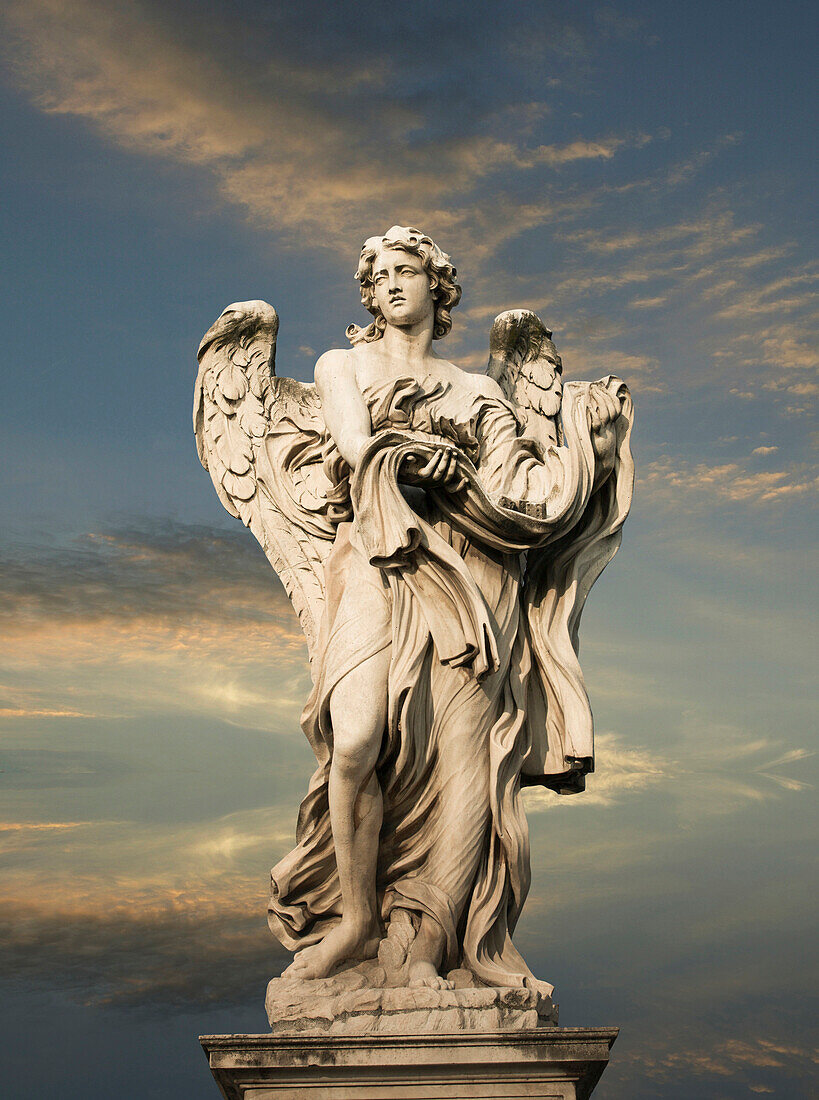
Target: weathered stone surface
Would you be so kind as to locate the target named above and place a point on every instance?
(553, 1063)
(360, 1001)
(394, 497)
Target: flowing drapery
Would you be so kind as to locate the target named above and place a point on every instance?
(485, 689)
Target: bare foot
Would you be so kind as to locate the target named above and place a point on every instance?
(423, 974)
(425, 956)
(346, 942)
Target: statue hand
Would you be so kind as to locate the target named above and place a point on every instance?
(604, 407)
(441, 470)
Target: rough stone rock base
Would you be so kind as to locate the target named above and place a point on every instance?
(360, 1001)
(550, 1063)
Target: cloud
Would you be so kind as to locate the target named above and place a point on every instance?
(739, 1060)
(293, 145)
(31, 769)
(136, 914)
(695, 238)
(781, 359)
(159, 571)
(615, 24)
(767, 297)
(728, 777)
(647, 303)
(162, 950)
(165, 616)
(792, 756)
(672, 481)
(750, 320)
(685, 170)
(35, 712)
(481, 155)
(586, 150)
(620, 771)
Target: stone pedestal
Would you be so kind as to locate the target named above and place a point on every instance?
(369, 999)
(552, 1063)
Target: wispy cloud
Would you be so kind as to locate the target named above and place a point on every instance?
(707, 234)
(647, 303)
(670, 481)
(743, 1061)
(278, 145)
(131, 913)
(728, 777)
(164, 950)
(621, 770)
(194, 616)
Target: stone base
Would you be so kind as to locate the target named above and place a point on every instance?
(360, 1000)
(552, 1063)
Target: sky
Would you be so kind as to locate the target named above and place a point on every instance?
(640, 174)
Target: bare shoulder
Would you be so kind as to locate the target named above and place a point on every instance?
(480, 384)
(332, 364)
(485, 386)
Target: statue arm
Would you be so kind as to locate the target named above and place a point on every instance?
(345, 411)
(350, 425)
(518, 467)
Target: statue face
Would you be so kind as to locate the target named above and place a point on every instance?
(401, 288)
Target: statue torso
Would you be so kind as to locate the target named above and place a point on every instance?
(441, 400)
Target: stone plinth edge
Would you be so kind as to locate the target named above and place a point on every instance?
(553, 1063)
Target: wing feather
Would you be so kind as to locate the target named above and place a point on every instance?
(525, 364)
(265, 445)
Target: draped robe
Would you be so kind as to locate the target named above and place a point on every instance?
(485, 693)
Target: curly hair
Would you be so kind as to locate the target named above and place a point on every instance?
(446, 292)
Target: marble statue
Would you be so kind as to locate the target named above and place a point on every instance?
(438, 532)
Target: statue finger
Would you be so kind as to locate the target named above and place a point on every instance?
(427, 471)
(446, 467)
(437, 465)
(443, 459)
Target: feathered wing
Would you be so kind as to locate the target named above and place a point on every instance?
(525, 363)
(271, 460)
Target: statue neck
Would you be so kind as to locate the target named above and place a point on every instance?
(412, 343)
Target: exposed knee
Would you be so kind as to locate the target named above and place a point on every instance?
(355, 752)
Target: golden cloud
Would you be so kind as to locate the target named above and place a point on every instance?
(276, 145)
(174, 618)
(670, 480)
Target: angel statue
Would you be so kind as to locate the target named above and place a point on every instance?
(438, 532)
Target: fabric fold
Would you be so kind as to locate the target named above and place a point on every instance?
(478, 596)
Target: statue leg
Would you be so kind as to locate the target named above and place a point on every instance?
(464, 817)
(358, 710)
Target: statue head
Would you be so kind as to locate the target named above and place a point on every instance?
(445, 292)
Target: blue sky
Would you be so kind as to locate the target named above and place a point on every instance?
(643, 176)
